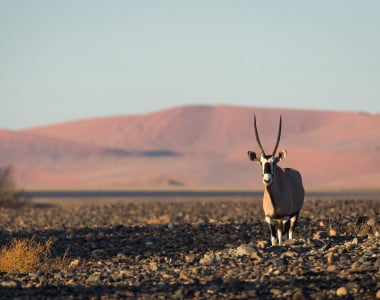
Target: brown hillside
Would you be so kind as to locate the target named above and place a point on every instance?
(199, 145)
(224, 126)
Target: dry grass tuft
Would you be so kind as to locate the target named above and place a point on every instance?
(367, 230)
(29, 256)
(361, 226)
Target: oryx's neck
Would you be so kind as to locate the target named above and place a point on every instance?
(268, 194)
(271, 199)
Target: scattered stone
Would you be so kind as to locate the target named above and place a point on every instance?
(332, 232)
(290, 254)
(331, 268)
(371, 222)
(330, 257)
(149, 243)
(58, 276)
(95, 277)
(183, 276)
(256, 256)
(245, 249)
(378, 294)
(42, 279)
(276, 292)
(179, 294)
(117, 277)
(33, 276)
(298, 295)
(342, 291)
(153, 266)
(320, 235)
(291, 242)
(189, 258)
(195, 270)
(262, 244)
(121, 256)
(209, 259)
(9, 284)
(74, 263)
(352, 286)
(213, 288)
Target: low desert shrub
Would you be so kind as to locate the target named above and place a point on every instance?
(10, 196)
(28, 255)
(24, 255)
(367, 227)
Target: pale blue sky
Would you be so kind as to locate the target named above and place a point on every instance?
(64, 60)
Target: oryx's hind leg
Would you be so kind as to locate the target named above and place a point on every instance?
(293, 223)
(272, 229)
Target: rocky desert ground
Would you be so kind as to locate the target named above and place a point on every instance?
(184, 248)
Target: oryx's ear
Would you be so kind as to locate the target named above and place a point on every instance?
(282, 155)
(252, 156)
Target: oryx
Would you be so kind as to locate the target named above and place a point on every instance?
(283, 191)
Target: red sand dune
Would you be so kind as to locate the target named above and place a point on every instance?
(196, 145)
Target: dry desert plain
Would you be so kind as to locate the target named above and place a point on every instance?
(197, 248)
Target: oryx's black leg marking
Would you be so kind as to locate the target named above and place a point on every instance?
(272, 229)
(286, 230)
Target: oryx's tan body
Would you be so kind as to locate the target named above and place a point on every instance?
(284, 197)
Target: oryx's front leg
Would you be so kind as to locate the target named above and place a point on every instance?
(272, 229)
(282, 229)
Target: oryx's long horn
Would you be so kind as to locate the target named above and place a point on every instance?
(257, 137)
(278, 138)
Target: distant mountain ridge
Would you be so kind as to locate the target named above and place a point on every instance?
(195, 145)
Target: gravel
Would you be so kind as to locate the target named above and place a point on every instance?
(197, 248)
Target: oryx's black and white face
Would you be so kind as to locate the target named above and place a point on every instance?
(267, 162)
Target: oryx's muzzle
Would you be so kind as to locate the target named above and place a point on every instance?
(267, 179)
